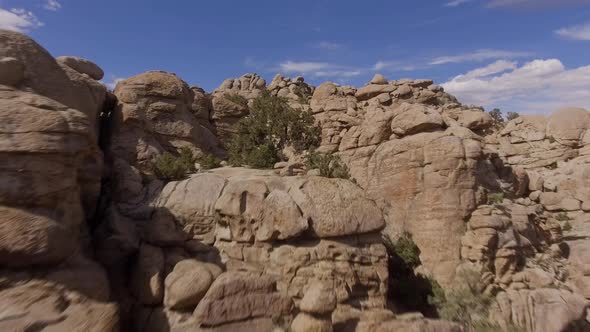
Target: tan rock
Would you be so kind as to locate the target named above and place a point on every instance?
(308, 323)
(236, 296)
(319, 298)
(413, 119)
(186, 285)
(12, 71)
(82, 66)
(568, 125)
(378, 79)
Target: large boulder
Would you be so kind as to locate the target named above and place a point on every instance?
(239, 296)
(82, 66)
(568, 125)
(50, 174)
(44, 75)
(542, 310)
(187, 284)
(155, 108)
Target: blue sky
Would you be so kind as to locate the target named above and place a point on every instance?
(529, 56)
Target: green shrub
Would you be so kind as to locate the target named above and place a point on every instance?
(271, 125)
(209, 161)
(236, 99)
(330, 166)
(405, 248)
(551, 139)
(495, 198)
(464, 304)
(562, 216)
(496, 115)
(512, 115)
(566, 227)
(169, 167)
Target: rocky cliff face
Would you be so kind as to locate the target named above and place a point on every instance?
(91, 240)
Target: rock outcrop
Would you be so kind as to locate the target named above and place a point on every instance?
(49, 186)
(91, 239)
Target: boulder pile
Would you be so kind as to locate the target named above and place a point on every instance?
(91, 239)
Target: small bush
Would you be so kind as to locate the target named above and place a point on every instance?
(562, 216)
(464, 304)
(566, 226)
(495, 198)
(209, 161)
(512, 115)
(406, 249)
(496, 115)
(236, 99)
(330, 166)
(551, 139)
(271, 125)
(169, 167)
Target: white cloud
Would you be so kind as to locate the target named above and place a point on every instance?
(576, 32)
(18, 19)
(112, 83)
(479, 55)
(535, 3)
(52, 5)
(319, 69)
(330, 46)
(539, 86)
(497, 67)
(303, 67)
(393, 65)
(456, 3)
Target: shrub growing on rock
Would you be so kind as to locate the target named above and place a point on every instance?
(496, 114)
(330, 166)
(168, 167)
(512, 115)
(466, 304)
(236, 99)
(209, 161)
(271, 125)
(408, 290)
(495, 198)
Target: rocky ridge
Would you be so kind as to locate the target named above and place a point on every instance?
(91, 239)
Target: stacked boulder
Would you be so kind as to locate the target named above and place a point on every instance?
(294, 89)
(50, 175)
(408, 146)
(230, 103)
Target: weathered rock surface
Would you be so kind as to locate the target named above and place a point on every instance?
(82, 66)
(237, 296)
(254, 250)
(49, 185)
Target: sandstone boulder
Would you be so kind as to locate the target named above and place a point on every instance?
(239, 296)
(187, 284)
(319, 299)
(412, 119)
(82, 66)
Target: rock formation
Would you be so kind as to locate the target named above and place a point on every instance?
(91, 239)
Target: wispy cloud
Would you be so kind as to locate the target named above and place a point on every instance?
(534, 4)
(394, 65)
(576, 32)
(112, 82)
(52, 5)
(536, 86)
(456, 3)
(319, 69)
(330, 46)
(497, 67)
(479, 55)
(18, 19)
